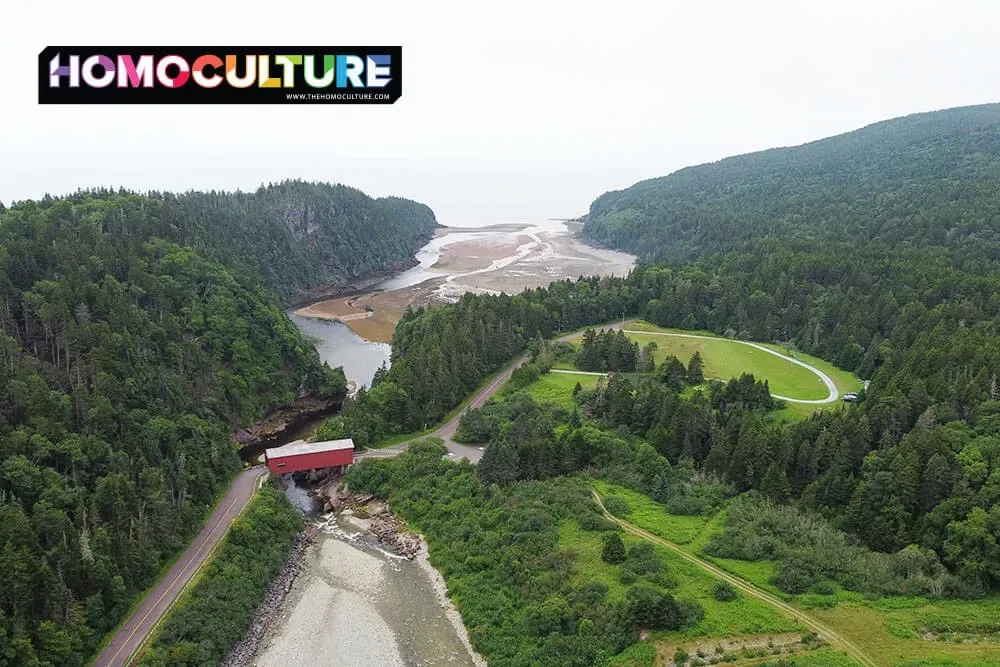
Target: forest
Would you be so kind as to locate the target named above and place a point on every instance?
(295, 238)
(904, 294)
(137, 332)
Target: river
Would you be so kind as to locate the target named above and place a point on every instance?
(353, 603)
(339, 346)
(508, 257)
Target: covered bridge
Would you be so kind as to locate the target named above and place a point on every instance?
(302, 455)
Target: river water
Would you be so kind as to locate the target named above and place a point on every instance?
(339, 346)
(354, 603)
(534, 254)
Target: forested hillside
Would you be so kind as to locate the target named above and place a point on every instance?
(930, 179)
(126, 360)
(293, 236)
(875, 251)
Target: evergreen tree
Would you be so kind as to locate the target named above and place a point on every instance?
(614, 549)
(672, 373)
(695, 370)
(775, 483)
(500, 463)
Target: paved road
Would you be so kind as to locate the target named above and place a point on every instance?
(473, 454)
(137, 627)
(447, 431)
(814, 624)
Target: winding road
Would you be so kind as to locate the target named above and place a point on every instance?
(826, 632)
(830, 386)
(141, 622)
(458, 451)
(133, 633)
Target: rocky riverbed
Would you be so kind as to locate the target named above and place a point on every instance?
(360, 591)
(244, 652)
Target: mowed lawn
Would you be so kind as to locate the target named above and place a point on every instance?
(724, 359)
(844, 380)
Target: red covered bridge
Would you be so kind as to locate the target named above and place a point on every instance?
(302, 455)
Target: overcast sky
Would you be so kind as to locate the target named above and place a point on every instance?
(511, 111)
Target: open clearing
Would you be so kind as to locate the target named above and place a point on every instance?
(800, 379)
(558, 387)
(725, 358)
(891, 631)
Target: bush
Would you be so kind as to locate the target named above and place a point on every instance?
(522, 377)
(617, 506)
(236, 580)
(643, 560)
(650, 608)
(680, 656)
(595, 522)
(690, 612)
(810, 552)
(627, 576)
(614, 549)
(823, 587)
(723, 591)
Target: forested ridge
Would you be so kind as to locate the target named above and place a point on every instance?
(296, 236)
(126, 360)
(924, 180)
(292, 236)
(900, 287)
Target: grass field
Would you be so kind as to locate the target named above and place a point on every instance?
(649, 514)
(731, 357)
(894, 631)
(558, 387)
(725, 359)
(742, 616)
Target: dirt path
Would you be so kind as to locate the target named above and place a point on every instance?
(830, 386)
(137, 627)
(810, 622)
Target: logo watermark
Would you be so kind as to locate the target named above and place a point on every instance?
(220, 75)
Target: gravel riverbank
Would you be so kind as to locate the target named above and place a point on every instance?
(355, 602)
(244, 652)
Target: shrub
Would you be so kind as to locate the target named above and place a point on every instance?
(614, 549)
(723, 591)
(690, 612)
(617, 506)
(595, 522)
(823, 587)
(642, 559)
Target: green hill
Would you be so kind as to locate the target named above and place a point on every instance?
(930, 179)
(136, 333)
(299, 239)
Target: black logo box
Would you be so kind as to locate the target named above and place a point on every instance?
(192, 93)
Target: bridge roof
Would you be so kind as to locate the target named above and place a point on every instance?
(300, 447)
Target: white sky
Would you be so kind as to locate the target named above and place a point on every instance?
(510, 111)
